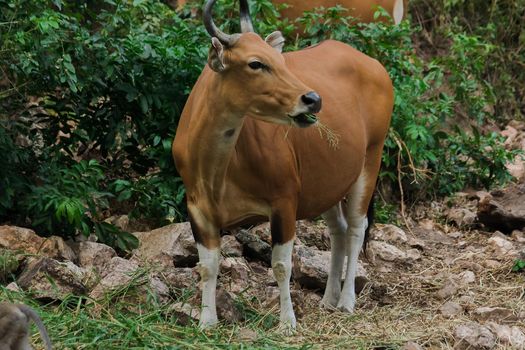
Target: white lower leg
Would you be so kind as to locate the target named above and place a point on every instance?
(338, 226)
(208, 267)
(355, 238)
(282, 270)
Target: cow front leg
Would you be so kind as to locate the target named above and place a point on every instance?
(283, 234)
(208, 245)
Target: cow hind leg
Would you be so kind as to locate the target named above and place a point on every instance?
(336, 221)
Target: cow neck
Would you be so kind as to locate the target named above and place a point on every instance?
(214, 139)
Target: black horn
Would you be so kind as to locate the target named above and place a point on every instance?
(246, 20)
(212, 29)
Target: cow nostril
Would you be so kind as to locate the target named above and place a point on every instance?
(312, 100)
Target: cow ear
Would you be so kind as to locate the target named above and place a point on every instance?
(275, 40)
(216, 55)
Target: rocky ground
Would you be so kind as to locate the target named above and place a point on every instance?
(444, 282)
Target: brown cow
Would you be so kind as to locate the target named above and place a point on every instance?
(245, 153)
(362, 10)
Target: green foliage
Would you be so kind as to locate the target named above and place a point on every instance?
(70, 201)
(519, 265)
(109, 79)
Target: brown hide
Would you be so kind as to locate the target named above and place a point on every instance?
(363, 10)
(243, 169)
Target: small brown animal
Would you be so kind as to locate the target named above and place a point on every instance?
(14, 327)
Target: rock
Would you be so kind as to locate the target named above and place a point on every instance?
(506, 213)
(50, 279)
(179, 278)
(388, 233)
(230, 246)
(494, 314)
(470, 265)
(461, 217)
(311, 267)
(466, 277)
(501, 247)
(450, 309)
(313, 234)
(54, 247)
(518, 236)
(118, 273)
(491, 264)
(159, 289)
(412, 346)
(247, 335)
(473, 336)
(254, 247)
(449, 289)
(271, 297)
(174, 241)
(226, 308)
(262, 232)
(93, 255)
(413, 254)
(14, 287)
(384, 251)
(20, 239)
(238, 272)
(511, 336)
(185, 313)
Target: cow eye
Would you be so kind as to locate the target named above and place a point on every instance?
(256, 65)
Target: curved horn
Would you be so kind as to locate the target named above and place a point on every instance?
(246, 20)
(212, 29)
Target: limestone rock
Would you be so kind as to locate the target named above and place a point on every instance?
(412, 346)
(449, 289)
(54, 247)
(20, 239)
(311, 267)
(254, 247)
(473, 336)
(501, 247)
(94, 255)
(313, 234)
(185, 313)
(494, 314)
(179, 278)
(238, 273)
(50, 279)
(462, 217)
(388, 233)
(118, 273)
(174, 241)
(507, 335)
(450, 309)
(226, 308)
(230, 246)
(384, 251)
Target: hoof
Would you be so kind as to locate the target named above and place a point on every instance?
(346, 307)
(328, 304)
(286, 329)
(207, 322)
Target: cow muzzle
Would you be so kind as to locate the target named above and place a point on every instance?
(304, 116)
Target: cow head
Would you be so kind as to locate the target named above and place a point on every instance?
(253, 78)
